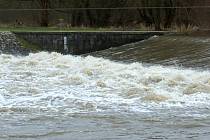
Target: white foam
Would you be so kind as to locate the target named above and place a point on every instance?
(81, 84)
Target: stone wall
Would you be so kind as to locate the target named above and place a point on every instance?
(82, 42)
(10, 45)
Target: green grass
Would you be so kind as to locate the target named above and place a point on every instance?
(54, 29)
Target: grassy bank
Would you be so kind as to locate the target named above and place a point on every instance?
(55, 29)
(140, 27)
(190, 30)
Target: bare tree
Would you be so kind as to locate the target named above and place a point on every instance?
(185, 16)
(44, 5)
(158, 16)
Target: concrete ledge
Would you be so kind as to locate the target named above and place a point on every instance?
(84, 42)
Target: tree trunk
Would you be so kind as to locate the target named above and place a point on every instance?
(44, 18)
(44, 4)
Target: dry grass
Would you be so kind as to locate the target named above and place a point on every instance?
(185, 29)
(143, 27)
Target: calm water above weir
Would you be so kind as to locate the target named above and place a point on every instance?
(52, 96)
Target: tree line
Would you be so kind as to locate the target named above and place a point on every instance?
(159, 18)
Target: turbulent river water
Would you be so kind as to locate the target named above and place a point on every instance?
(54, 96)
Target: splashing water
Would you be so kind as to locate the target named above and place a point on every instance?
(49, 95)
(53, 82)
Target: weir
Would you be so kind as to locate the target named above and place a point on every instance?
(83, 42)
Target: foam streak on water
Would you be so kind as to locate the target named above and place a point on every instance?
(53, 82)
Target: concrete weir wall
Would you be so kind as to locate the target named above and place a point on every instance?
(83, 42)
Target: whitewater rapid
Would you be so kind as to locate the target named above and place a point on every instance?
(53, 82)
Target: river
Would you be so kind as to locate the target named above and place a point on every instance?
(142, 91)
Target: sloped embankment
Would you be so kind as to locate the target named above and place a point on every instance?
(10, 45)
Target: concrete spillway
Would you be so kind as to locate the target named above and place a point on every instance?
(83, 42)
(168, 50)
